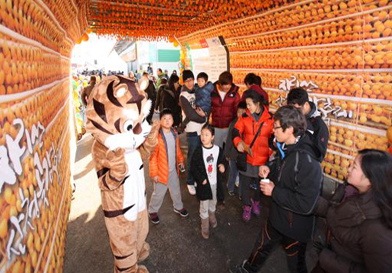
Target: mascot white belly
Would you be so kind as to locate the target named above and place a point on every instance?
(134, 186)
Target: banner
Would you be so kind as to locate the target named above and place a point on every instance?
(210, 56)
(37, 132)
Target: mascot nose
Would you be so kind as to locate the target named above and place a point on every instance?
(138, 129)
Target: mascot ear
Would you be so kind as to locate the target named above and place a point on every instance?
(143, 84)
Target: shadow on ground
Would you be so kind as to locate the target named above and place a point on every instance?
(176, 243)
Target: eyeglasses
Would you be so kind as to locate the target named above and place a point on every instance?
(277, 127)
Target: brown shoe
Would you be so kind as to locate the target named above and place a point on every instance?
(212, 218)
(205, 229)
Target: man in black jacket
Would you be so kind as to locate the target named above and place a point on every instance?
(294, 185)
(316, 127)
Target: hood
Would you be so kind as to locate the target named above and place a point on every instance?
(256, 88)
(304, 143)
(185, 89)
(232, 89)
(264, 115)
(313, 111)
(209, 87)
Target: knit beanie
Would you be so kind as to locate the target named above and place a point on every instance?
(187, 74)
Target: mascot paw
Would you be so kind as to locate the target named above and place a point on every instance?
(118, 166)
(152, 137)
(155, 127)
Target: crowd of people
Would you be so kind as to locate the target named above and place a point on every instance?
(234, 140)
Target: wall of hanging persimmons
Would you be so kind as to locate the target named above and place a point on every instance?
(340, 51)
(36, 40)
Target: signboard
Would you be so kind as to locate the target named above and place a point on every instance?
(212, 57)
(129, 55)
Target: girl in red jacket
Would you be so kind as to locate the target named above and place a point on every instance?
(257, 118)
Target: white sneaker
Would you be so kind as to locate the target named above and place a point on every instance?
(191, 189)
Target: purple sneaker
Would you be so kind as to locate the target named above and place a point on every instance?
(247, 213)
(256, 207)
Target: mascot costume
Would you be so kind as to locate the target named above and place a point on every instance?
(116, 117)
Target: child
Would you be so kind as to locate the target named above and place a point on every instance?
(164, 163)
(208, 165)
(203, 93)
(203, 98)
(231, 152)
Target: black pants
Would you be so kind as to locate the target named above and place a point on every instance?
(266, 242)
(248, 193)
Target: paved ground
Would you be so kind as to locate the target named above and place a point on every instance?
(176, 244)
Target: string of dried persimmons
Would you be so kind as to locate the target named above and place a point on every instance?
(159, 19)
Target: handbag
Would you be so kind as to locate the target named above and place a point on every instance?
(241, 162)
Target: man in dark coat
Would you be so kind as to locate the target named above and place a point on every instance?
(316, 127)
(294, 186)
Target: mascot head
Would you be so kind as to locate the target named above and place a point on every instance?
(116, 113)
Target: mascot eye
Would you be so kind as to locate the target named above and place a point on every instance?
(128, 125)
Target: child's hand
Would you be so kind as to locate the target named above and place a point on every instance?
(200, 112)
(204, 182)
(156, 179)
(221, 168)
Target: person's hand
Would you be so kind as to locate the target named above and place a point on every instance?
(200, 112)
(267, 188)
(319, 244)
(221, 168)
(264, 171)
(241, 147)
(204, 182)
(155, 179)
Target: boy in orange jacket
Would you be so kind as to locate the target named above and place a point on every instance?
(165, 163)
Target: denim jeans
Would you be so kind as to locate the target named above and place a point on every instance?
(233, 177)
(193, 143)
